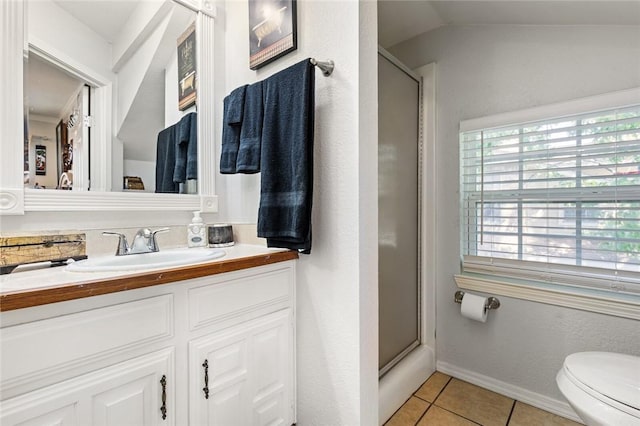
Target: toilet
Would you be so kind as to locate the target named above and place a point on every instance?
(602, 387)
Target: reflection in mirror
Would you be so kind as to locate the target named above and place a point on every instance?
(110, 92)
(56, 100)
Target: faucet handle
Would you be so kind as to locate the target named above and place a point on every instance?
(123, 245)
(154, 243)
(157, 231)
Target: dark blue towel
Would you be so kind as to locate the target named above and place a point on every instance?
(235, 109)
(248, 160)
(186, 166)
(233, 103)
(192, 149)
(286, 188)
(166, 160)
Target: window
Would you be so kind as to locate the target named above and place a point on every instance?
(555, 200)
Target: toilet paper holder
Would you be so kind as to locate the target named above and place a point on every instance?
(492, 302)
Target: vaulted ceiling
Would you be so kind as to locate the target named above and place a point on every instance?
(400, 20)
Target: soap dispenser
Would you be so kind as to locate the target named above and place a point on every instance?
(196, 234)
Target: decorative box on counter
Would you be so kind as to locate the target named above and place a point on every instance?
(133, 182)
(16, 251)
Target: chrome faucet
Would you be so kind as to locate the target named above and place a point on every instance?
(143, 242)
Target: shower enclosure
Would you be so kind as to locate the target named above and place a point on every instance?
(398, 211)
(407, 229)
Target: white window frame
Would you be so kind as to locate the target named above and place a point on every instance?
(590, 297)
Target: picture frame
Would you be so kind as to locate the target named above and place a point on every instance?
(26, 146)
(67, 156)
(41, 160)
(272, 30)
(187, 68)
(61, 142)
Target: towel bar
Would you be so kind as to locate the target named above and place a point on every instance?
(325, 66)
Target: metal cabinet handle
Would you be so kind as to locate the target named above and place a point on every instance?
(163, 409)
(205, 389)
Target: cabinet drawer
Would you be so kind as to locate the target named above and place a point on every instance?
(235, 297)
(79, 338)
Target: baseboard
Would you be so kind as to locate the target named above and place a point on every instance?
(404, 379)
(551, 405)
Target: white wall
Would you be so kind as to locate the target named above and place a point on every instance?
(337, 367)
(133, 72)
(337, 283)
(488, 70)
(67, 38)
(45, 130)
(143, 169)
(240, 192)
(171, 112)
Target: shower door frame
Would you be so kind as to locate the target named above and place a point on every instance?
(400, 382)
(419, 281)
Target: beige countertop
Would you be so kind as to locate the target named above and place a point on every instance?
(33, 287)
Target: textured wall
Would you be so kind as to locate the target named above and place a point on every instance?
(337, 283)
(489, 70)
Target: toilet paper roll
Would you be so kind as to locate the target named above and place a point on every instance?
(472, 307)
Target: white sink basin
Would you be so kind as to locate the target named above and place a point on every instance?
(134, 262)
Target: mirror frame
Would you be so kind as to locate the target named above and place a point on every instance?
(15, 199)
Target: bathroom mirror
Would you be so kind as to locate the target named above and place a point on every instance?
(99, 138)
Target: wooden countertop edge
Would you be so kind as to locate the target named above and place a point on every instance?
(19, 299)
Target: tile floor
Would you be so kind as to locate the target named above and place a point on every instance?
(445, 401)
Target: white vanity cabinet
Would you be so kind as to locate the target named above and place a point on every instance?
(128, 393)
(215, 350)
(244, 374)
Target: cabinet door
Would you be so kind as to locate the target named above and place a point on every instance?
(244, 375)
(129, 393)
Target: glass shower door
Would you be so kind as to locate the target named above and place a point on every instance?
(398, 212)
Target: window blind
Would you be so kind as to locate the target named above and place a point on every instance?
(555, 200)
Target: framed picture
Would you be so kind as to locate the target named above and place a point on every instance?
(67, 156)
(26, 146)
(61, 145)
(272, 30)
(187, 68)
(41, 160)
